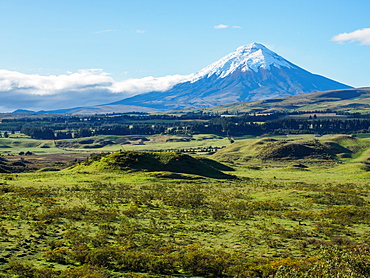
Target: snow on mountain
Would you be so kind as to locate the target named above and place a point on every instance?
(251, 72)
(249, 57)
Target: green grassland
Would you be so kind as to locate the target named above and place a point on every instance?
(106, 143)
(262, 207)
(19, 142)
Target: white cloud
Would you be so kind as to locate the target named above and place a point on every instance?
(224, 26)
(104, 31)
(48, 85)
(83, 88)
(361, 35)
(147, 84)
(140, 31)
(221, 26)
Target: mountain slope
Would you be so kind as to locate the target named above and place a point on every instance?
(351, 100)
(252, 72)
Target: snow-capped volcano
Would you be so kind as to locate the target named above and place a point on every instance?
(251, 72)
(249, 57)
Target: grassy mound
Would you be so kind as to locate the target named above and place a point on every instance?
(239, 151)
(163, 161)
(292, 150)
(215, 164)
(276, 150)
(84, 143)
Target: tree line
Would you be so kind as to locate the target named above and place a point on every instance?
(220, 126)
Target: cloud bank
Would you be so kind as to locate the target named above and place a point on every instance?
(83, 88)
(362, 36)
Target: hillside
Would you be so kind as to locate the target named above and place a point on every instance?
(327, 151)
(351, 100)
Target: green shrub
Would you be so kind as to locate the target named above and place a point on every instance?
(165, 264)
(136, 261)
(23, 269)
(48, 169)
(199, 261)
(331, 262)
(26, 269)
(85, 271)
(60, 255)
(103, 257)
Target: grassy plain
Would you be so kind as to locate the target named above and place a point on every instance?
(117, 216)
(18, 143)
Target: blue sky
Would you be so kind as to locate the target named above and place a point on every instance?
(128, 40)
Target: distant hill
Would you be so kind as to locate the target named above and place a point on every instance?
(351, 100)
(100, 109)
(23, 111)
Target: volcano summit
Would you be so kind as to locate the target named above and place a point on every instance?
(251, 72)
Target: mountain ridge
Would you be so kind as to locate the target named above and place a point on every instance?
(251, 72)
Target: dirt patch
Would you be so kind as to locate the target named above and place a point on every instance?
(30, 163)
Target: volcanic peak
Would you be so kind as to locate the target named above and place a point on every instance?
(248, 57)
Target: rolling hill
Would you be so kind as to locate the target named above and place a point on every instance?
(351, 100)
(324, 151)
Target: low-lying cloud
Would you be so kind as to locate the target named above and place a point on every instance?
(221, 26)
(362, 36)
(83, 88)
(224, 26)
